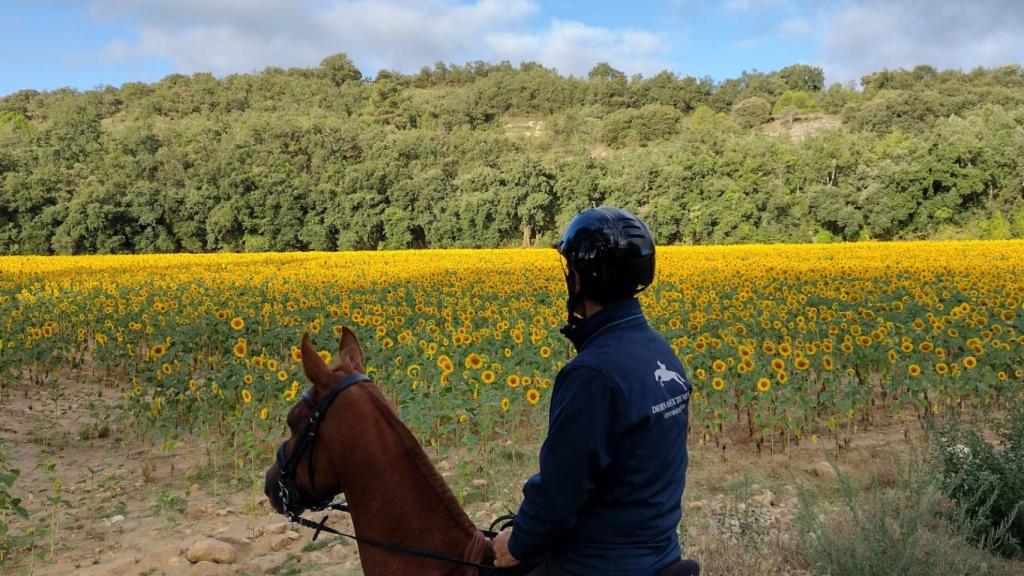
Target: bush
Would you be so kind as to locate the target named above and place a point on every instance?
(9, 505)
(987, 479)
(640, 126)
(752, 112)
(899, 525)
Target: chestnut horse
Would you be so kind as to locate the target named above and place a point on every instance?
(346, 437)
(394, 493)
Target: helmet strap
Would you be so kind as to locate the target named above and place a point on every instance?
(573, 298)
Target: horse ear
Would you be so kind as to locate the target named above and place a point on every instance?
(350, 351)
(313, 365)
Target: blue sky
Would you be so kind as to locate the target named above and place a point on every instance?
(47, 44)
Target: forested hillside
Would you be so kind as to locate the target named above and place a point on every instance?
(496, 155)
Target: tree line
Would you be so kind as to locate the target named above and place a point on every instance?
(486, 155)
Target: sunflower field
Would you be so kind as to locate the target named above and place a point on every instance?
(783, 343)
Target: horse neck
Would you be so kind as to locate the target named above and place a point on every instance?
(396, 495)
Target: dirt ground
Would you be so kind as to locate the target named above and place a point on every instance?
(133, 509)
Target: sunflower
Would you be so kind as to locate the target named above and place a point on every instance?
(272, 365)
(914, 370)
(532, 396)
(237, 323)
(782, 377)
(718, 366)
(474, 361)
(512, 381)
(222, 315)
(970, 362)
(282, 376)
(487, 377)
(826, 362)
(296, 354)
(264, 412)
(166, 368)
(941, 368)
(802, 363)
(445, 363)
(157, 351)
(717, 383)
(247, 379)
(764, 385)
(246, 396)
(778, 364)
(240, 350)
(413, 371)
(545, 351)
(505, 404)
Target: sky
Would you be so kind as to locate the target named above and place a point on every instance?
(85, 44)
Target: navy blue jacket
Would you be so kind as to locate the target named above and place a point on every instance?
(613, 466)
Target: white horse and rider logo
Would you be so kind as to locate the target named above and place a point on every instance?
(663, 374)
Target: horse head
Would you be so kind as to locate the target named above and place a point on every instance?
(311, 488)
(344, 436)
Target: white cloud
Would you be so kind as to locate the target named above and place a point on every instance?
(793, 28)
(225, 36)
(870, 35)
(742, 6)
(574, 48)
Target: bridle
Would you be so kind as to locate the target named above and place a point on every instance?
(294, 500)
(292, 497)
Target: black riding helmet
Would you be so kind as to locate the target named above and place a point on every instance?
(613, 253)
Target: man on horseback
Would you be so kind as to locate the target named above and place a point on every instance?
(612, 470)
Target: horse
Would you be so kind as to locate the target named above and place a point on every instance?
(398, 502)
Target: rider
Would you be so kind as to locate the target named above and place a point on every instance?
(613, 466)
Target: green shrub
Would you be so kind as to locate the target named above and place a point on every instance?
(987, 480)
(9, 505)
(897, 524)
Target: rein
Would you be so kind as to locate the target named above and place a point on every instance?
(294, 499)
(499, 523)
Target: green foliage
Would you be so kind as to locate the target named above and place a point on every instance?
(988, 479)
(496, 155)
(752, 112)
(9, 506)
(898, 523)
(794, 104)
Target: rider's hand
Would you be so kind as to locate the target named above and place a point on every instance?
(502, 557)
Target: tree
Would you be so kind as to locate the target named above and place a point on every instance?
(752, 112)
(339, 69)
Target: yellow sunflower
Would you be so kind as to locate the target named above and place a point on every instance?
(532, 396)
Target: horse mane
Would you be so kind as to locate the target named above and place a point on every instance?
(426, 467)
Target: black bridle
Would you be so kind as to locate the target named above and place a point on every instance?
(294, 500)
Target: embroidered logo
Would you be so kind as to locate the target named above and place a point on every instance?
(663, 374)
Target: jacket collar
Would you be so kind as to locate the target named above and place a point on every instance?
(614, 313)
